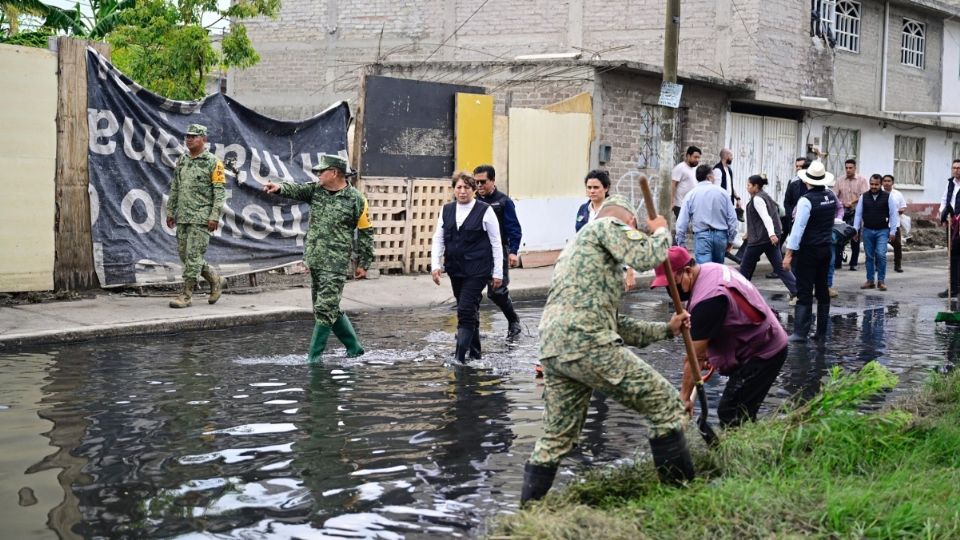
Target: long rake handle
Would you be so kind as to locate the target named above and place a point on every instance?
(674, 293)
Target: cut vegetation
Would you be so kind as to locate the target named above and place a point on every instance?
(824, 469)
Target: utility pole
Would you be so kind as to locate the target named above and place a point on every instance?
(666, 150)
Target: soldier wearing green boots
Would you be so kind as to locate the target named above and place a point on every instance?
(196, 201)
(336, 210)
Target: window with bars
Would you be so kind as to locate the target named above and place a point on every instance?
(956, 151)
(912, 43)
(847, 26)
(840, 144)
(649, 136)
(822, 16)
(908, 160)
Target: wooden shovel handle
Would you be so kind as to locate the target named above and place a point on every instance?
(672, 286)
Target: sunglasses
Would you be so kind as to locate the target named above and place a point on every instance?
(482, 182)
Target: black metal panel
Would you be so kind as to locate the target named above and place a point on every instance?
(408, 127)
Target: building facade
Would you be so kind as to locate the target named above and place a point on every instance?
(871, 80)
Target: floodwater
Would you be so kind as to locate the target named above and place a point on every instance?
(229, 434)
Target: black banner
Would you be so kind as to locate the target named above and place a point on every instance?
(135, 140)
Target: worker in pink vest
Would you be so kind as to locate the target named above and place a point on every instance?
(733, 330)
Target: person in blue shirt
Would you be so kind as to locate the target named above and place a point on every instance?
(708, 210)
(510, 234)
(876, 220)
(811, 240)
(597, 184)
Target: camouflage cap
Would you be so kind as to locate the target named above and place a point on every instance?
(621, 201)
(197, 129)
(328, 161)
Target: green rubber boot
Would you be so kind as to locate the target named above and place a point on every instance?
(345, 333)
(318, 343)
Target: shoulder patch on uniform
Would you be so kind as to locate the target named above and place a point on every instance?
(364, 221)
(217, 176)
(634, 234)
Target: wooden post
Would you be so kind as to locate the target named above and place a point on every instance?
(73, 264)
(356, 159)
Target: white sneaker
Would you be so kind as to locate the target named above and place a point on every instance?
(834, 292)
(792, 301)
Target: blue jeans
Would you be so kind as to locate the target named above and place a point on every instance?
(833, 258)
(709, 246)
(875, 246)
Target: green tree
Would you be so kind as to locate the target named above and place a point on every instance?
(11, 10)
(164, 46)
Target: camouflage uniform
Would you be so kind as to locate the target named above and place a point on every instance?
(582, 337)
(196, 197)
(334, 215)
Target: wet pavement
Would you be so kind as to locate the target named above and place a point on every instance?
(228, 434)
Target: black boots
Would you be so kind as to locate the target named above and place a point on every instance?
(823, 319)
(802, 318)
(537, 480)
(671, 457)
(514, 329)
(468, 342)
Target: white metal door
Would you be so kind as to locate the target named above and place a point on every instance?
(779, 153)
(762, 145)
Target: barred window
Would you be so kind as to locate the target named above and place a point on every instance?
(912, 43)
(822, 14)
(840, 144)
(847, 25)
(908, 160)
(956, 151)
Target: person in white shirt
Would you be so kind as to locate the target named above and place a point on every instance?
(723, 177)
(764, 234)
(468, 238)
(949, 210)
(901, 204)
(684, 178)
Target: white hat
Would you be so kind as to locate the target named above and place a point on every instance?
(816, 175)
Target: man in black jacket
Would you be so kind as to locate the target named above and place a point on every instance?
(949, 209)
(510, 235)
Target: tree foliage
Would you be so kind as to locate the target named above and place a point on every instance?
(163, 46)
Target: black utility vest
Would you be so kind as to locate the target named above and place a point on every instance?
(819, 230)
(724, 180)
(756, 232)
(495, 200)
(467, 251)
(875, 213)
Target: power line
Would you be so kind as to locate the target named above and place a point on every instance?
(455, 31)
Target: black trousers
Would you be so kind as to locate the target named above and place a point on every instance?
(467, 291)
(854, 248)
(501, 295)
(811, 265)
(747, 388)
(954, 265)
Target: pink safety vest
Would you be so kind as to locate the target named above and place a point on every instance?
(750, 330)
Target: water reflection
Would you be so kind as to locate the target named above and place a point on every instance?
(229, 435)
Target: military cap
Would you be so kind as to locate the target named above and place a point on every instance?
(621, 201)
(197, 129)
(328, 161)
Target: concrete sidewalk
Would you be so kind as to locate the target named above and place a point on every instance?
(111, 314)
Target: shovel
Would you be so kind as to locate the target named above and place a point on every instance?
(706, 430)
(949, 317)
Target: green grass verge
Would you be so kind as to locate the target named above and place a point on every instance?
(821, 470)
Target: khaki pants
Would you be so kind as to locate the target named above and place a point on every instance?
(616, 372)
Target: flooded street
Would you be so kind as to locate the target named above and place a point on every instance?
(229, 434)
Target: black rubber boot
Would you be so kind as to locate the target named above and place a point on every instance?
(802, 318)
(671, 457)
(514, 330)
(513, 320)
(464, 340)
(475, 344)
(823, 319)
(537, 480)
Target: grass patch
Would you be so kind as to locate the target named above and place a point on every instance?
(823, 469)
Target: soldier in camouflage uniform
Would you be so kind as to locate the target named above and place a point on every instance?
(195, 203)
(336, 210)
(583, 346)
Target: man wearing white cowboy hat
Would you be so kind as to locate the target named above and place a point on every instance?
(810, 239)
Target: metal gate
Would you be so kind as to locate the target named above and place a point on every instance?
(763, 145)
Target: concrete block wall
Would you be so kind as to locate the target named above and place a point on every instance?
(910, 88)
(623, 99)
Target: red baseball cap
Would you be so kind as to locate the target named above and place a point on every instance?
(679, 259)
